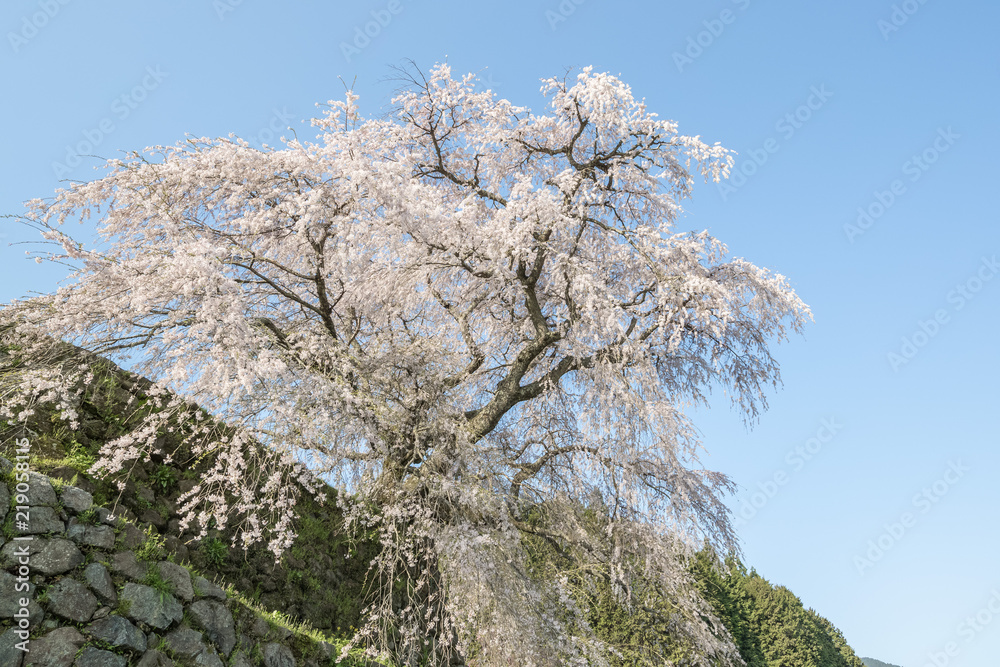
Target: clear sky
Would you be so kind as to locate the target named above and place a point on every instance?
(885, 519)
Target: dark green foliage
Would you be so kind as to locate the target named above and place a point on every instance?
(152, 548)
(768, 623)
(163, 479)
(721, 585)
(215, 552)
(642, 634)
(88, 517)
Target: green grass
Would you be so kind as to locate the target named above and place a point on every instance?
(79, 457)
(152, 549)
(123, 606)
(215, 551)
(88, 516)
(156, 581)
(163, 478)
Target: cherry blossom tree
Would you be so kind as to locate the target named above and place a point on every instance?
(478, 321)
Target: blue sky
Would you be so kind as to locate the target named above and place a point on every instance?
(833, 107)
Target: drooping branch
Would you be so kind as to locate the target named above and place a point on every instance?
(453, 313)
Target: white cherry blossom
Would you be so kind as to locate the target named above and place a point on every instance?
(458, 314)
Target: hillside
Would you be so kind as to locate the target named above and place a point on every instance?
(297, 611)
(872, 662)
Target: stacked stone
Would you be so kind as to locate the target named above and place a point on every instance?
(96, 608)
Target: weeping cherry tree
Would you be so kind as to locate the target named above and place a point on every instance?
(477, 322)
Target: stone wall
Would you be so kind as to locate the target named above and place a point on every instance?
(319, 580)
(94, 590)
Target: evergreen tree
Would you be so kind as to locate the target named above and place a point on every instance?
(768, 624)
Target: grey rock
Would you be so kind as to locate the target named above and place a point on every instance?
(10, 655)
(75, 499)
(152, 658)
(217, 622)
(103, 612)
(16, 550)
(102, 537)
(118, 632)
(179, 578)
(126, 564)
(48, 556)
(56, 649)
(132, 537)
(327, 650)
(277, 655)
(100, 582)
(40, 491)
(153, 517)
(206, 589)
(70, 599)
(208, 659)
(240, 659)
(107, 517)
(169, 505)
(10, 597)
(260, 627)
(174, 545)
(147, 494)
(95, 657)
(42, 520)
(149, 606)
(185, 643)
(35, 614)
(58, 556)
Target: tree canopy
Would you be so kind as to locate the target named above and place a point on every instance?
(478, 321)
